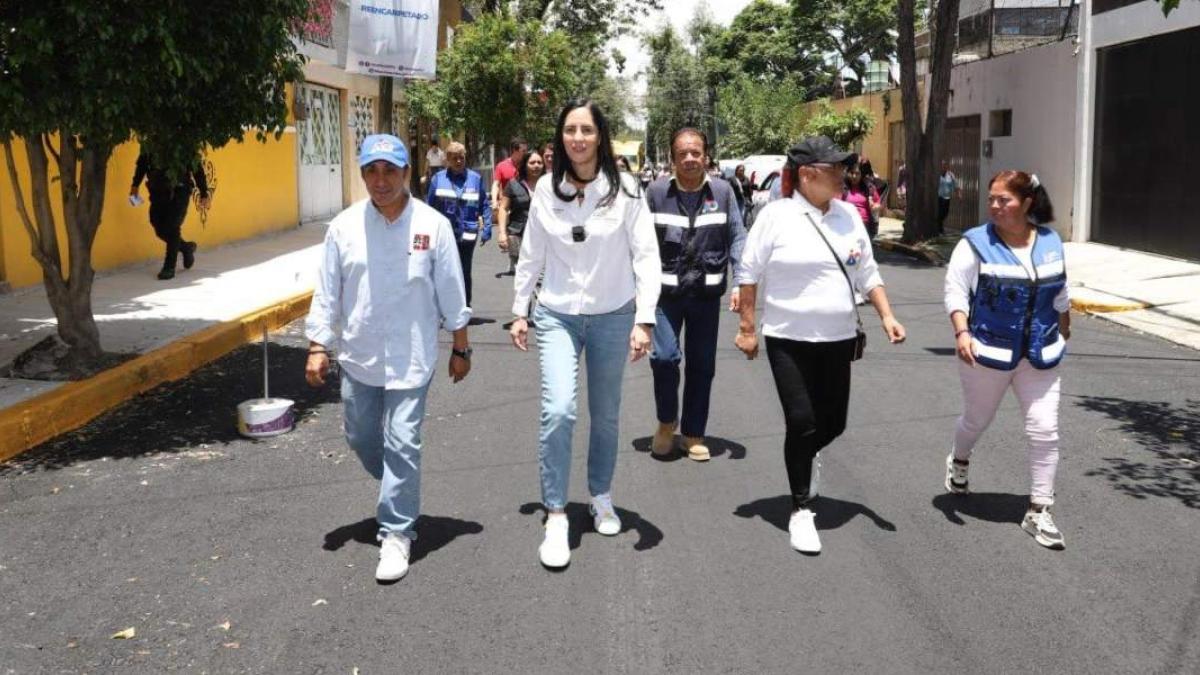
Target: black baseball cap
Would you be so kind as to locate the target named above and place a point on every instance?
(819, 150)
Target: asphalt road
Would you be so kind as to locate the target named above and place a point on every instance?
(230, 555)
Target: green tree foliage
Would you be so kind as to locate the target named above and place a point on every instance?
(764, 43)
(845, 128)
(849, 34)
(501, 77)
(676, 90)
(79, 77)
(760, 117)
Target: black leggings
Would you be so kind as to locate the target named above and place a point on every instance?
(813, 379)
(167, 212)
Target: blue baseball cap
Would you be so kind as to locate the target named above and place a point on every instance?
(383, 146)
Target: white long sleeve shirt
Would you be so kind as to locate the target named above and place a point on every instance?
(384, 289)
(806, 296)
(962, 277)
(618, 260)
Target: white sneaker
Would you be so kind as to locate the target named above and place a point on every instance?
(555, 551)
(1041, 525)
(605, 517)
(803, 530)
(393, 557)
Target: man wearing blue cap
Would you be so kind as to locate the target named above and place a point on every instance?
(389, 276)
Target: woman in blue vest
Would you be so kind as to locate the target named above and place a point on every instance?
(1006, 293)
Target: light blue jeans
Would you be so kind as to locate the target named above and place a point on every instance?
(383, 427)
(603, 339)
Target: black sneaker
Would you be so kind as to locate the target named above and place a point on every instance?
(189, 255)
(1041, 526)
(166, 273)
(956, 475)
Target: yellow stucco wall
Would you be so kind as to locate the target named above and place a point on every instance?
(886, 108)
(256, 186)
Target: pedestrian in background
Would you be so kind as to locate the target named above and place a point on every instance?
(745, 190)
(700, 233)
(168, 207)
(506, 170)
(592, 236)
(860, 193)
(948, 187)
(548, 157)
(514, 205)
(457, 193)
(812, 253)
(1006, 293)
(389, 277)
(435, 160)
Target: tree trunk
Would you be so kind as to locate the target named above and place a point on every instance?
(82, 177)
(923, 142)
(387, 125)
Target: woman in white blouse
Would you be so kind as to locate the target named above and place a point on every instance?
(592, 237)
(813, 253)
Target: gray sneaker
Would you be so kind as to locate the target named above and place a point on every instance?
(1041, 525)
(956, 475)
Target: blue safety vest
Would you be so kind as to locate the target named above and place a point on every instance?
(694, 251)
(461, 199)
(1012, 314)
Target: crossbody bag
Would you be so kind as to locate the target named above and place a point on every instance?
(860, 336)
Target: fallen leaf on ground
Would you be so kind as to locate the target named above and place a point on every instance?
(55, 490)
(127, 634)
(225, 626)
(231, 645)
(319, 601)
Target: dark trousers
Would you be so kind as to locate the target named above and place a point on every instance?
(167, 212)
(943, 211)
(813, 380)
(466, 253)
(699, 354)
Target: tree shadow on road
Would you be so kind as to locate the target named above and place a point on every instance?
(717, 446)
(433, 533)
(993, 507)
(1167, 461)
(198, 410)
(580, 519)
(831, 513)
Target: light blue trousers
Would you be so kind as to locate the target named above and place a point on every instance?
(383, 427)
(603, 340)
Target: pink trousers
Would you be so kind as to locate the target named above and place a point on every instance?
(1037, 392)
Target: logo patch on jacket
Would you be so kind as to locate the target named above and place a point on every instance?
(710, 206)
(853, 258)
(420, 242)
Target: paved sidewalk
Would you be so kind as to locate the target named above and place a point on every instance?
(1150, 293)
(137, 313)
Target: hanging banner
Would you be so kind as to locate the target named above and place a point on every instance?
(396, 38)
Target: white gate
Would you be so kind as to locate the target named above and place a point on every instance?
(320, 140)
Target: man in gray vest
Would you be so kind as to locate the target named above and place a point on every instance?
(700, 233)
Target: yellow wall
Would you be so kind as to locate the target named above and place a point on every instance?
(256, 186)
(875, 145)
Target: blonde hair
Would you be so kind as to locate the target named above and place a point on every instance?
(455, 148)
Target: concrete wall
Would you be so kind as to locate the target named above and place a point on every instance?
(1039, 86)
(1132, 22)
(255, 192)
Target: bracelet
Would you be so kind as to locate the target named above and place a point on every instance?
(957, 333)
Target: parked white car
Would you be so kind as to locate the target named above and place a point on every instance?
(758, 167)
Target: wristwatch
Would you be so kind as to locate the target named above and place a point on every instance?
(464, 354)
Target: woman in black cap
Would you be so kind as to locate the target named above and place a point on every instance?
(812, 253)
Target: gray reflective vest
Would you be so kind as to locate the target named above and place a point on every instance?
(694, 251)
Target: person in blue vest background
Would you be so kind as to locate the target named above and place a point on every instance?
(1006, 293)
(458, 193)
(700, 233)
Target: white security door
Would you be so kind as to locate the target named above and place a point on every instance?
(320, 140)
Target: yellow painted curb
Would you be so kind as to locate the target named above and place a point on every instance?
(39, 419)
(1092, 307)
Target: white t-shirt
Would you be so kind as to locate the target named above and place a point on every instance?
(435, 158)
(806, 295)
(962, 277)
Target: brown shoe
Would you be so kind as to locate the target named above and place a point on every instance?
(664, 440)
(696, 449)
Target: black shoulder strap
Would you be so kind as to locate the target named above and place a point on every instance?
(838, 260)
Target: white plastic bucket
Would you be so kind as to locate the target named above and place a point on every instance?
(262, 417)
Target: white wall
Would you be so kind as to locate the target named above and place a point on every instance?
(1132, 22)
(1039, 86)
